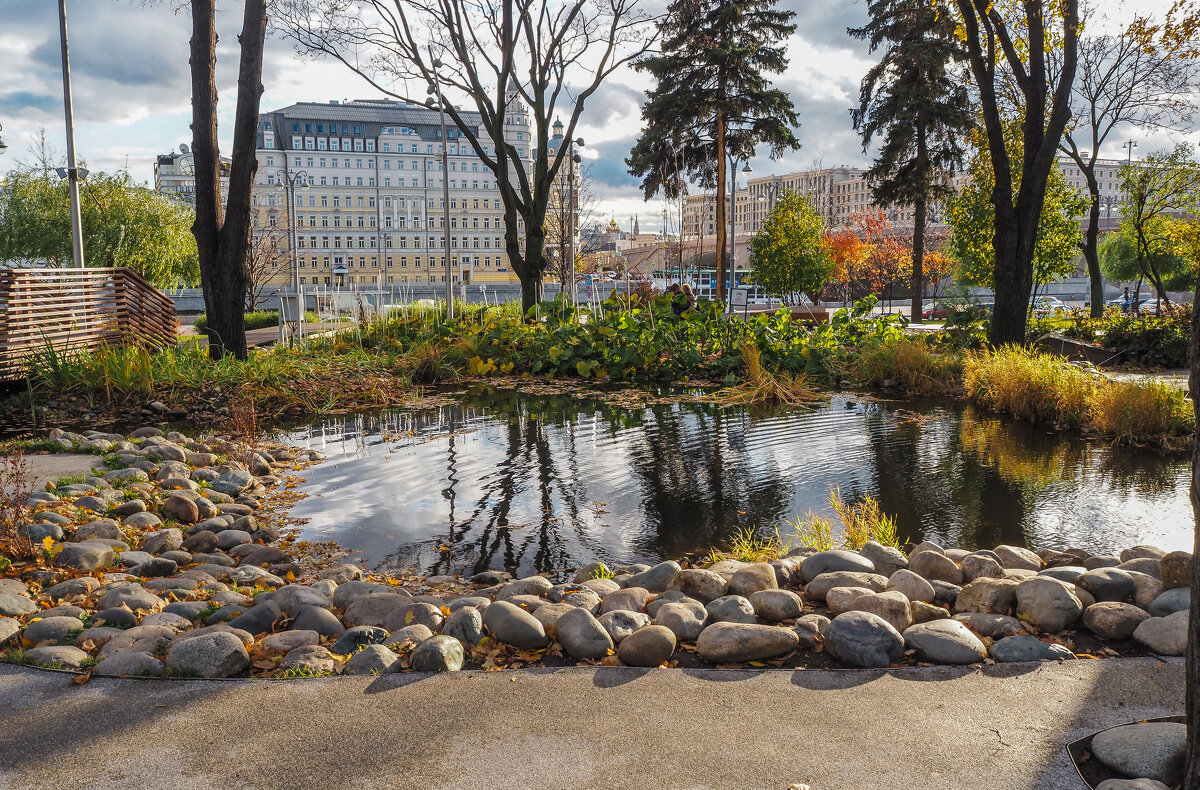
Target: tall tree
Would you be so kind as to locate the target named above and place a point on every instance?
(921, 109)
(790, 254)
(222, 241)
(506, 57)
(1161, 185)
(1005, 42)
(558, 223)
(1139, 78)
(972, 214)
(713, 100)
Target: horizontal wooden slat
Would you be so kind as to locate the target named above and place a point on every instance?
(76, 309)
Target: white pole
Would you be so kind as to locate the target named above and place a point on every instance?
(72, 170)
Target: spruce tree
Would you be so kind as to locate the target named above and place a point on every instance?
(713, 100)
(912, 99)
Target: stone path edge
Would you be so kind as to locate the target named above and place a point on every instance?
(1006, 668)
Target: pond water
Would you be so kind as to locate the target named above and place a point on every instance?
(537, 483)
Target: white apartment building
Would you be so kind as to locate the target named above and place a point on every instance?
(370, 202)
(175, 175)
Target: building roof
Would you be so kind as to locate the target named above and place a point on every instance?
(381, 111)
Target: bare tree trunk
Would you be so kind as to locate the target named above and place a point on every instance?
(1091, 253)
(920, 208)
(222, 244)
(1191, 778)
(722, 266)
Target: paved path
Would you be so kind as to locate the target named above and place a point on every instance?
(42, 469)
(930, 728)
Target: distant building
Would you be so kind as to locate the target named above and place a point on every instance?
(175, 175)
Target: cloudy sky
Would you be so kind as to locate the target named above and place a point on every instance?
(131, 89)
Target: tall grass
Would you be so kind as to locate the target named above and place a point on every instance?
(911, 363)
(860, 522)
(1142, 411)
(1030, 385)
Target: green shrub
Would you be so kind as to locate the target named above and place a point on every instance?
(1146, 339)
(256, 319)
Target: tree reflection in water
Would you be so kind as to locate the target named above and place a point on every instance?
(544, 483)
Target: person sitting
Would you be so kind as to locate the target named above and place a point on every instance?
(686, 290)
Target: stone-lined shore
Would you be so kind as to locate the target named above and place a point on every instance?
(170, 565)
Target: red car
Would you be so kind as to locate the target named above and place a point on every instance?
(940, 312)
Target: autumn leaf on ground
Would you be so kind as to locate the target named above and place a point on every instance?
(80, 680)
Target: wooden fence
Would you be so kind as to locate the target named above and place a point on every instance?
(74, 309)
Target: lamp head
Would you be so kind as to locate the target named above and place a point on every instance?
(747, 168)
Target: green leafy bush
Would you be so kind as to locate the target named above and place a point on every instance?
(1148, 339)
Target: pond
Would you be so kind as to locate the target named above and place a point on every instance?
(541, 483)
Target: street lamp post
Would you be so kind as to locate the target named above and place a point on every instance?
(436, 89)
(733, 230)
(575, 159)
(71, 169)
(1129, 153)
(287, 182)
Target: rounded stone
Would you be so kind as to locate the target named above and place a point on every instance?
(633, 599)
(1048, 604)
(134, 596)
(841, 599)
(834, 560)
(181, 508)
(287, 641)
(548, 615)
(658, 578)
(891, 606)
(818, 587)
(1113, 620)
(1107, 584)
(319, 619)
(354, 638)
(810, 629)
(863, 639)
(932, 565)
(582, 635)
(438, 654)
(128, 665)
(886, 559)
(686, 620)
(1176, 570)
(777, 605)
(622, 623)
(417, 613)
(1147, 750)
(464, 624)
(993, 626)
(1017, 557)
(1142, 551)
(731, 609)
(1064, 573)
(914, 586)
(648, 647)
(979, 565)
(52, 629)
(1166, 636)
(217, 654)
(1025, 647)
(751, 579)
(56, 655)
(515, 626)
(945, 642)
(310, 658)
(16, 605)
(374, 608)
(1131, 784)
(988, 595)
(1171, 601)
(533, 585)
(371, 660)
(698, 583)
(731, 643)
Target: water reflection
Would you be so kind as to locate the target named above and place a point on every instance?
(543, 483)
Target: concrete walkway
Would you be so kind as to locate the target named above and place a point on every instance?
(43, 469)
(933, 728)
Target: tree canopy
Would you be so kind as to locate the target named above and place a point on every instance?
(1160, 186)
(790, 253)
(971, 216)
(123, 225)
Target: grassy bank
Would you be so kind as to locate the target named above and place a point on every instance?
(384, 363)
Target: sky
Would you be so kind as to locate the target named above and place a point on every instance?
(129, 64)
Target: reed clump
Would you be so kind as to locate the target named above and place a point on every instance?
(1142, 411)
(1030, 385)
(763, 386)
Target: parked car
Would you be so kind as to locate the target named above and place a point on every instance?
(1048, 305)
(937, 312)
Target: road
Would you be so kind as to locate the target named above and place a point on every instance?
(933, 728)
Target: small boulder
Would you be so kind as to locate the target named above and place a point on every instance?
(371, 660)
(1164, 635)
(863, 639)
(945, 642)
(464, 624)
(1107, 584)
(933, 565)
(582, 635)
(1047, 604)
(622, 623)
(834, 560)
(914, 586)
(777, 605)
(437, 654)
(1176, 570)
(515, 626)
(731, 609)
(1113, 620)
(181, 508)
(217, 654)
(686, 620)
(751, 579)
(725, 643)
(658, 578)
(988, 595)
(1150, 750)
(810, 629)
(698, 583)
(891, 606)
(1016, 557)
(1025, 647)
(648, 647)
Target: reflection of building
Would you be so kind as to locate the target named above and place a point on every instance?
(374, 205)
(175, 175)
